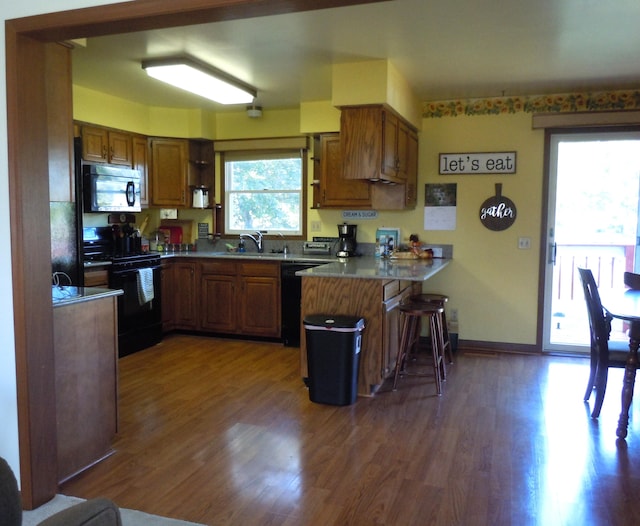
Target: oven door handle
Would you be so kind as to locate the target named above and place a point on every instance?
(120, 273)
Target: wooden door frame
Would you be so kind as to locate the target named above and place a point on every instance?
(25, 40)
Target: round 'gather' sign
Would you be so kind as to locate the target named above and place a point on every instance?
(498, 212)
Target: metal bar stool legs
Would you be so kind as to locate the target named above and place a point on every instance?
(411, 314)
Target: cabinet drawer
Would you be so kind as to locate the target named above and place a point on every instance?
(260, 268)
(390, 289)
(226, 266)
(96, 278)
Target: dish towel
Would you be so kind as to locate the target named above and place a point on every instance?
(145, 285)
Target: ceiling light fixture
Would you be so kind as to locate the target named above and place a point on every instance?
(201, 79)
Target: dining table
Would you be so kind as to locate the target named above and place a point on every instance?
(625, 305)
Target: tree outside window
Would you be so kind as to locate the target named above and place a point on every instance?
(264, 191)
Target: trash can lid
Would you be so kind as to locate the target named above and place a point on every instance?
(330, 321)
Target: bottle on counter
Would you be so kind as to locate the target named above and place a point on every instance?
(241, 247)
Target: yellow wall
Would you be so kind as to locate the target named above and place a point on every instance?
(491, 282)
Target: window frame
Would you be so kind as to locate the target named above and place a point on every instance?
(254, 150)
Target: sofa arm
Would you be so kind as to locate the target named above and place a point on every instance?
(94, 512)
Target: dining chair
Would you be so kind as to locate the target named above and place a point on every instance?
(604, 353)
(632, 280)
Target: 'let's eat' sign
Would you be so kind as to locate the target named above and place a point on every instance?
(478, 163)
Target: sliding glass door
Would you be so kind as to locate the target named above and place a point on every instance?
(594, 190)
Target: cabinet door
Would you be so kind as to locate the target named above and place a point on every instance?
(59, 122)
(167, 296)
(169, 172)
(361, 142)
(411, 185)
(335, 190)
(259, 310)
(95, 144)
(402, 150)
(390, 127)
(120, 149)
(218, 303)
(184, 295)
(139, 161)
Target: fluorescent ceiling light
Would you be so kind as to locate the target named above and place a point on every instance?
(201, 79)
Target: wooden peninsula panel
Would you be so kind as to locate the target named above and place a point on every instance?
(355, 297)
(86, 354)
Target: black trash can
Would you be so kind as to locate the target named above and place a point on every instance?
(333, 356)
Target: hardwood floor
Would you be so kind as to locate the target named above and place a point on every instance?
(222, 432)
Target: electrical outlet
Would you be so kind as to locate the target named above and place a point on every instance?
(524, 243)
(316, 226)
(453, 316)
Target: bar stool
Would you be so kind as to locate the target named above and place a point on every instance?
(412, 313)
(440, 300)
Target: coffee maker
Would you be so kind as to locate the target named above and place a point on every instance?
(347, 240)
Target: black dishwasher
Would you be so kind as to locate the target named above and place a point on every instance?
(290, 291)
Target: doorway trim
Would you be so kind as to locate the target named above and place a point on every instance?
(611, 122)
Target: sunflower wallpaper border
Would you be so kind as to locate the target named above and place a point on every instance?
(561, 103)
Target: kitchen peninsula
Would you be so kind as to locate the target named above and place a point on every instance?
(373, 289)
(86, 378)
(225, 293)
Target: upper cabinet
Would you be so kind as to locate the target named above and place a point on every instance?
(376, 144)
(379, 146)
(101, 145)
(201, 166)
(140, 162)
(330, 189)
(169, 172)
(59, 123)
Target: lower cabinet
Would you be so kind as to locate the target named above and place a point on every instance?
(166, 271)
(377, 301)
(86, 379)
(226, 296)
(259, 306)
(185, 294)
(218, 296)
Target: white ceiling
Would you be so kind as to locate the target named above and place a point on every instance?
(444, 48)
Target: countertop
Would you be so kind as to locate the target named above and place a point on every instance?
(365, 267)
(265, 256)
(377, 268)
(67, 295)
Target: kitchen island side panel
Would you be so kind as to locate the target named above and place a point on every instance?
(351, 297)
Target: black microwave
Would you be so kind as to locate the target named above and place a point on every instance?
(110, 188)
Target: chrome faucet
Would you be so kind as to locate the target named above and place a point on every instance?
(285, 248)
(257, 239)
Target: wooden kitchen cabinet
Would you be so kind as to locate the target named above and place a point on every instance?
(96, 277)
(140, 162)
(374, 300)
(185, 294)
(167, 292)
(218, 301)
(169, 172)
(86, 379)
(259, 307)
(201, 167)
(102, 145)
(330, 189)
(240, 297)
(59, 123)
(380, 146)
